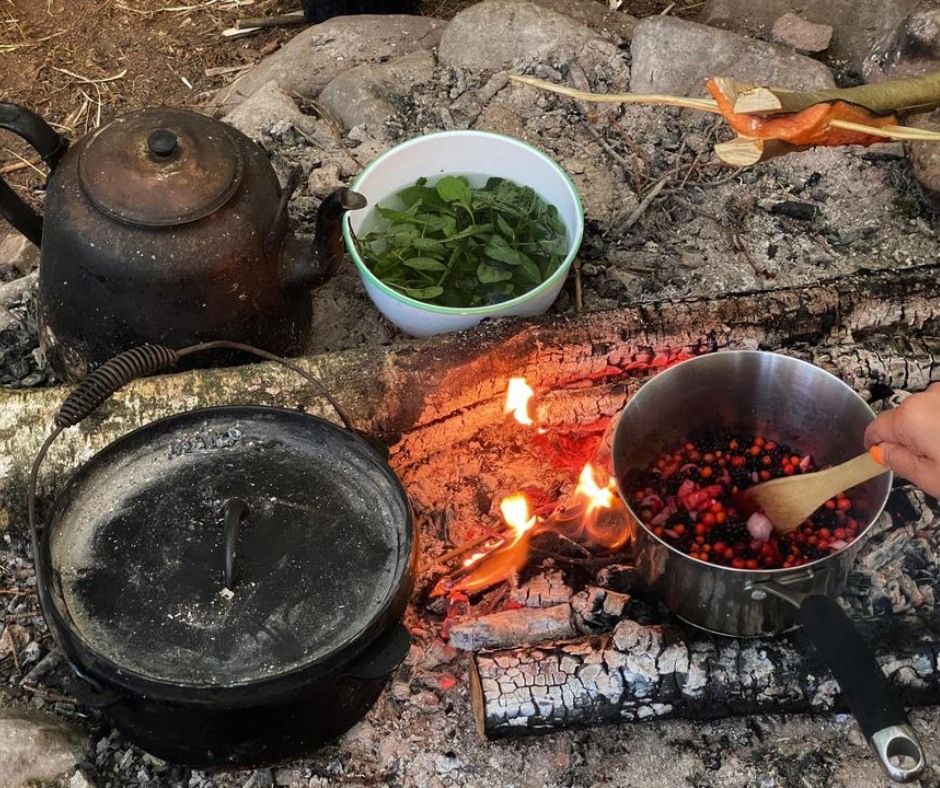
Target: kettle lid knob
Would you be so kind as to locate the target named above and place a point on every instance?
(162, 143)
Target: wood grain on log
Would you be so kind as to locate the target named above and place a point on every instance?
(655, 672)
(440, 391)
(589, 611)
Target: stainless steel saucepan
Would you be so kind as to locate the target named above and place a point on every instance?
(796, 403)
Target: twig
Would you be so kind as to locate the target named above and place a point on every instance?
(466, 547)
(889, 132)
(704, 105)
(218, 71)
(20, 165)
(120, 75)
(294, 18)
(578, 295)
(667, 9)
(607, 147)
(647, 200)
(45, 694)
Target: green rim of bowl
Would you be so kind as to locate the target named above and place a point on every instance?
(493, 309)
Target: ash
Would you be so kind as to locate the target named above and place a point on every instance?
(22, 364)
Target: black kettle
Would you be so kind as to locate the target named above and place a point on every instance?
(167, 227)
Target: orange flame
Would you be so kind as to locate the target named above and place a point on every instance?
(506, 559)
(518, 394)
(597, 497)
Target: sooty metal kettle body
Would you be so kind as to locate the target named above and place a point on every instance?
(166, 226)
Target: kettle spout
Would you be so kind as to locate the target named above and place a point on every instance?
(307, 264)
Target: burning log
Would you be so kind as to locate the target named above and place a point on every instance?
(871, 328)
(590, 611)
(544, 590)
(655, 672)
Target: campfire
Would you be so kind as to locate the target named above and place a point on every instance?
(590, 517)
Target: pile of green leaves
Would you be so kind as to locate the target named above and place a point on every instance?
(455, 245)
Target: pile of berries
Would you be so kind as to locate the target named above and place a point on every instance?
(685, 497)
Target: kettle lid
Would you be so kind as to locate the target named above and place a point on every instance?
(161, 167)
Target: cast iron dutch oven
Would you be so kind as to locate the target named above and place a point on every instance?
(792, 402)
(227, 584)
(168, 227)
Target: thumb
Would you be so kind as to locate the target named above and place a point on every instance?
(904, 462)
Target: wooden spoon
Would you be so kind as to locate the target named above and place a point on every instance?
(787, 502)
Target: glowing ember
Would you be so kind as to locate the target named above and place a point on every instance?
(518, 395)
(597, 497)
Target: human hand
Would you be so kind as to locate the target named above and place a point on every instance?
(909, 436)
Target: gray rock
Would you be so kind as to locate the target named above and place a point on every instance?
(911, 49)
(801, 34)
(857, 24)
(270, 111)
(615, 25)
(17, 253)
(671, 55)
(365, 96)
(36, 748)
(495, 34)
(79, 780)
(12, 292)
(310, 60)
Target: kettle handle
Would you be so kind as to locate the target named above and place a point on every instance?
(48, 144)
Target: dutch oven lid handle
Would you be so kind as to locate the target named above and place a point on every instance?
(117, 372)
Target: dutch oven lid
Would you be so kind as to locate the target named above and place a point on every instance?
(161, 167)
(323, 557)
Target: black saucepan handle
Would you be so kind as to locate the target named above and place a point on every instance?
(50, 147)
(867, 691)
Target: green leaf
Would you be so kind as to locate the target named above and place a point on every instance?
(504, 228)
(499, 249)
(428, 245)
(488, 274)
(425, 264)
(530, 270)
(454, 188)
(422, 293)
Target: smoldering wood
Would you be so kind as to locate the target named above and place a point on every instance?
(427, 395)
(667, 669)
(546, 589)
(589, 611)
(657, 672)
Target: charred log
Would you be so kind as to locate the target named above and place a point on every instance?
(873, 328)
(656, 672)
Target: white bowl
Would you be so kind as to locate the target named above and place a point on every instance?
(471, 153)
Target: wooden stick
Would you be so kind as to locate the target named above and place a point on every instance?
(657, 99)
(293, 18)
(709, 105)
(918, 94)
(745, 152)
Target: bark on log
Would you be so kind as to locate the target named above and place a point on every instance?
(642, 673)
(441, 390)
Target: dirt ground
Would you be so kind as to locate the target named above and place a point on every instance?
(81, 62)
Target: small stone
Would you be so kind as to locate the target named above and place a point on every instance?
(262, 778)
(79, 780)
(32, 653)
(401, 691)
(126, 759)
(36, 748)
(18, 254)
(270, 109)
(324, 180)
(801, 34)
(857, 24)
(672, 55)
(910, 50)
(445, 763)
(426, 699)
(289, 777)
(793, 209)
